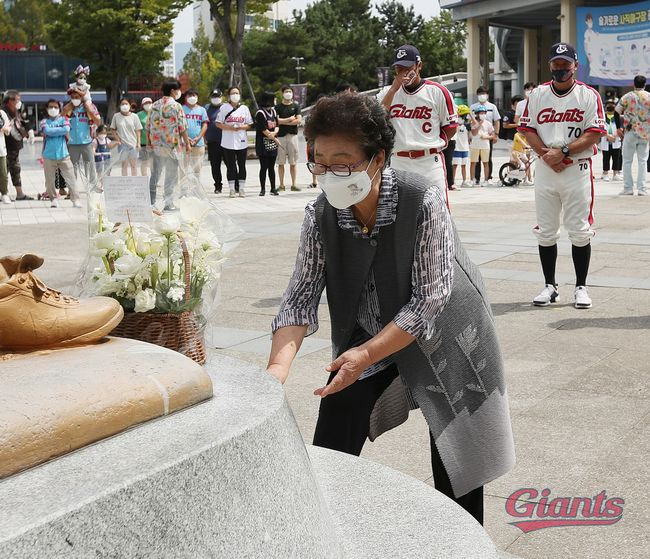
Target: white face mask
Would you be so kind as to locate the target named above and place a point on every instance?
(19, 105)
(235, 97)
(288, 95)
(53, 111)
(76, 102)
(343, 192)
(177, 95)
(483, 97)
(527, 92)
(192, 100)
(81, 81)
(102, 137)
(125, 108)
(215, 100)
(147, 107)
(480, 117)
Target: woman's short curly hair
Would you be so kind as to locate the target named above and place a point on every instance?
(360, 117)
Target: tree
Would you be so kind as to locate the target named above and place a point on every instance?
(401, 26)
(117, 38)
(441, 43)
(229, 12)
(25, 21)
(204, 63)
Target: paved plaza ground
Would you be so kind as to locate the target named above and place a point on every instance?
(577, 380)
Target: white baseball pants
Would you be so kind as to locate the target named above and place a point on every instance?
(431, 167)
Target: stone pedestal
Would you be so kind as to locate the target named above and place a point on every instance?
(231, 478)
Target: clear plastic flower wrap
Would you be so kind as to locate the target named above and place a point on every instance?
(168, 263)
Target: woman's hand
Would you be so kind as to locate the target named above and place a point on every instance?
(350, 365)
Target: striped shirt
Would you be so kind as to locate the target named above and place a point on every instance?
(432, 273)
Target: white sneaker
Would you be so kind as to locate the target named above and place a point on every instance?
(465, 183)
(582, 299)
(617, 177)
(606, 178)
(626, 193)
(6, 199)
(54, 203)
(233, 194)
(547, 296)
(77, 204)
(242, 193)
(485, 183)
(641, 193)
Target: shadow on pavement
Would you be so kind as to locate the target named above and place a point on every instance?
(613, 323)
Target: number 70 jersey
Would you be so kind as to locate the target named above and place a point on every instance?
(561, 119)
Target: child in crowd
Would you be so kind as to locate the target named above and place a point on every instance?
(461, 151)
(482, 135)
(520, 154)
(102, 145)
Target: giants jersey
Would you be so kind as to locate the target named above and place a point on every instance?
(561, 119)
(420, 117)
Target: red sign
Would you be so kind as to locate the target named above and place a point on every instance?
(21, 47)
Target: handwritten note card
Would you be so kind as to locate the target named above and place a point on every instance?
(127, 198)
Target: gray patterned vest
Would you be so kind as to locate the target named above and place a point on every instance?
(456, 378)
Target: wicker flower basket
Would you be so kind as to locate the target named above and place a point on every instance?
(179, 332)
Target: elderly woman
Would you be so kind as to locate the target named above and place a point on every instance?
(411, 326)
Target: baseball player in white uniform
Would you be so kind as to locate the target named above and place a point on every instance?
(563, 120)
(424, 116)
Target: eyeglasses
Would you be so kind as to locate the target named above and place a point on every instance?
(338, 170)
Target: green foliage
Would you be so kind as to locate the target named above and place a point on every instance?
(204, 63)
(117, 38)
(25, 22)
(441, 43)
(341, 41)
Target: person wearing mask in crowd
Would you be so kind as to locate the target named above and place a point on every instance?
(424, 116)
(519, 108)
(5, 129)
(483, 134)
(82, 115)
(197, 124)
(494, 118)
(13, 106)
(145, 151)
(56, 157)
(266, 145)
(407, 308)
(235, 119)
(213, 139)
(461, 149)
(635, 108)
(127, 127)
(290, 118)
(102, 145)
(167, 135)
(509, 126)
(610, 144)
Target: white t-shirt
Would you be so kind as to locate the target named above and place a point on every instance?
(419, 117)
(239, 117)
(127, 127)
(559, 120)
(481, 140)
(3, 146)
(462, 138)
(519, 109)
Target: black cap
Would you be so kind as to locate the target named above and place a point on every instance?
(406, 55)
(563, 51)
(216, 93)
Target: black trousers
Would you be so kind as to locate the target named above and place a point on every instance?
(344, 421)
(235, 164)
(479, 168)
(616, 157)
(448, 153)
(267, 167)
(215, 156)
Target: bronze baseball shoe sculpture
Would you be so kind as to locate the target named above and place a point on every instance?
(34, 316)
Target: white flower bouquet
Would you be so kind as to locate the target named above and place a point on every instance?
(163, 268)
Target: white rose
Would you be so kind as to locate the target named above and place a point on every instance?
(167, 224)
(145, 300)
(192, 209)
(128, 265)
(176, 294)
(105, 240)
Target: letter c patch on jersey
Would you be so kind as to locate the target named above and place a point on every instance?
(426, 127)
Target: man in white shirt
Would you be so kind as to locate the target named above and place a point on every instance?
(519, 108)
(423, 115)
(494, 118)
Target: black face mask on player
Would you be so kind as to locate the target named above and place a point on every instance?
(563, 75)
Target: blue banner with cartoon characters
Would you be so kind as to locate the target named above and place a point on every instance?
(613, 43)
